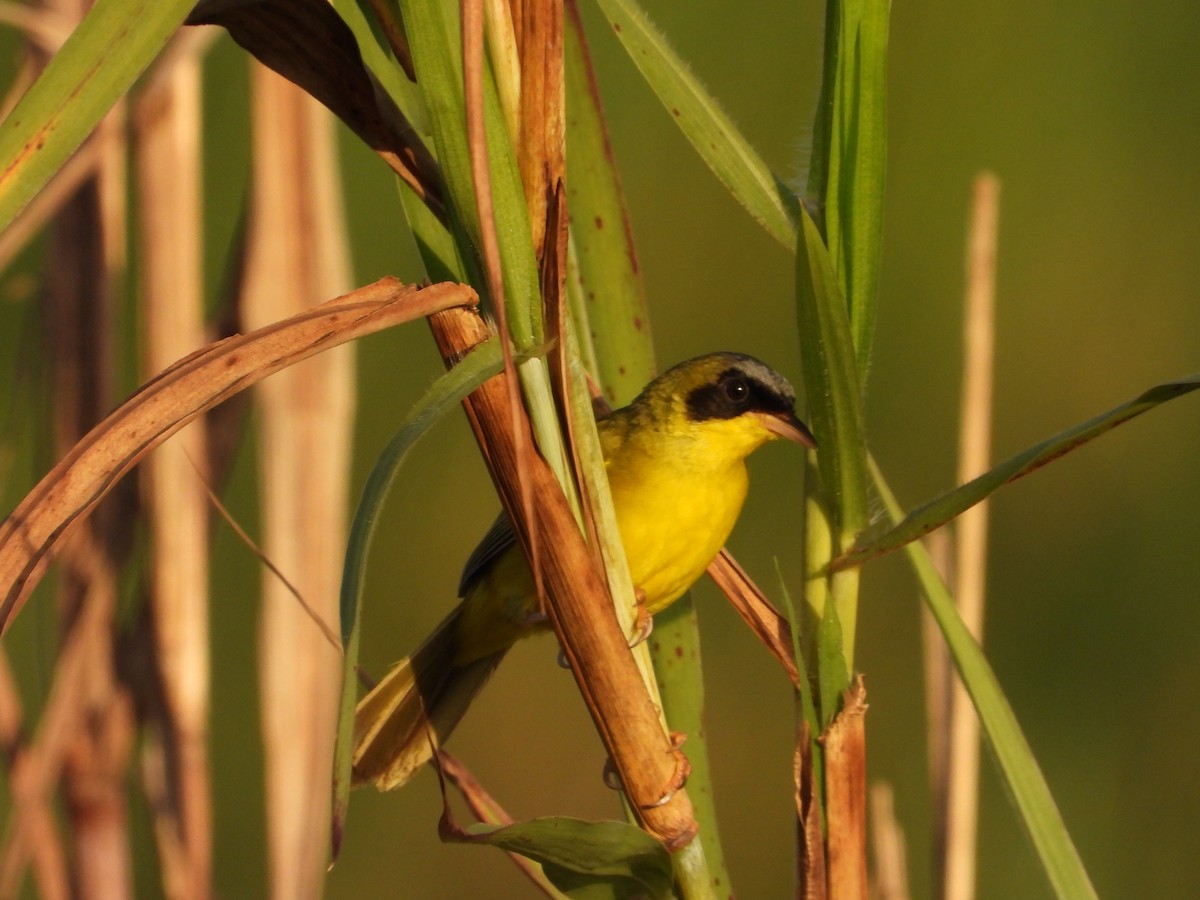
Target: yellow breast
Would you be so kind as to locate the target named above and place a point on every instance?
(674, 517)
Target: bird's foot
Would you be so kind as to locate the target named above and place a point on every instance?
(645, 621)
(679, 777)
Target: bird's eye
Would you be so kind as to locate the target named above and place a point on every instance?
(737, 390)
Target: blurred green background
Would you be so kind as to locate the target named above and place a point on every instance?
(1088, 113)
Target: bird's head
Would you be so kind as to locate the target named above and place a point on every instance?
(730, 402)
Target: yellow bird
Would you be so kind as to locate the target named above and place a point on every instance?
(676, 464)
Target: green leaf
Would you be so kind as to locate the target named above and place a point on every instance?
(449, 390)
(835, 408)
(941, 510)
(382, 63)
(831, 380)
(851, 155)
(585, 859)
(768, 200)
(609, 306)
(1026, 785)
(832, 672)
(113, 44)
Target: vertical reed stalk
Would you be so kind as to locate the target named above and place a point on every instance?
(86, 251)
(962, 803)
(296, 256)
(168, 118)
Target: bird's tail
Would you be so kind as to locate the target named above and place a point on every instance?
(415, 708)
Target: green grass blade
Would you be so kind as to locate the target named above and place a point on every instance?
(768, 200)
(379, 59)
(447, 392)
(941, 510)
(832, 673)
(1026, 785)
(434, 31)
(818, 164)
(835, 410)
(113, 44)
(611, 300)
(854, 120)
(675, 647)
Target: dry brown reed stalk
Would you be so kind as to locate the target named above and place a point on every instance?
(489, 249)
(296, 254)
(756, 611)
(845, 743)
(970, 575)
(388, 16)
(319, 623)
(167, 118)
(540, 149)
(30, 535)
(651, 767)
(952, 724)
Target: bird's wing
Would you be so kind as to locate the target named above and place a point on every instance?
(613, 429)
(497, 540)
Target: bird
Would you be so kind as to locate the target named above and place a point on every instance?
(675, 458)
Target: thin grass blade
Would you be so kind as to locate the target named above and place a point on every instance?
(447, 392)
(769, 201)
(1026, 785)
(941, 510)
(380, 60)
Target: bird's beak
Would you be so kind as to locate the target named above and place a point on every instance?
(786, 425)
